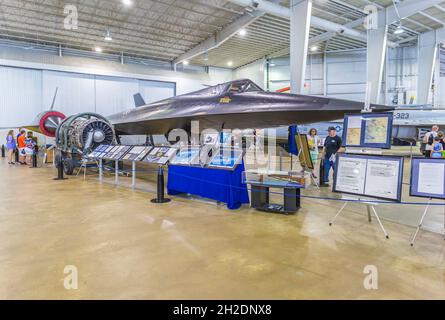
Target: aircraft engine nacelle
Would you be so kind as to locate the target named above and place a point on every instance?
(84, 132)
(47, 122)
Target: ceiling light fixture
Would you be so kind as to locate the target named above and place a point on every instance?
(242, 32)
(314, 48)
(230, 63)
(108, 36)
(98, 49)
(127, 2)
(399, 30)
(185, 62)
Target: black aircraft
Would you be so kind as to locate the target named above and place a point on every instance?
(239, 104)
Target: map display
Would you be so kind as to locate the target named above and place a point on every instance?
(368, 130)
(376, 130)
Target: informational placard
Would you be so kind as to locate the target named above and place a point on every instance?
(368, 130)
(137, 153)
(117, 153)
(160, 155)
(110, 151)
(428, 178)
(186, 157)
(226, 159)
(99, 152)
(370, 176)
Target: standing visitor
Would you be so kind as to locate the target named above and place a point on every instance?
(428, 140)
(437, 148)
(313, 141)
(29, 147)
(21, 138)
(10, 146)
(332, 145)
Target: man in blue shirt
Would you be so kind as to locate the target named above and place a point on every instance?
(332, 145)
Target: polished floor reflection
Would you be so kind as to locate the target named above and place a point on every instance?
(125, 247)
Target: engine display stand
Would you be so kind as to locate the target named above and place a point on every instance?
(370, 209)
(59, 165)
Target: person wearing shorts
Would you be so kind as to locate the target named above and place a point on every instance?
(21, 143)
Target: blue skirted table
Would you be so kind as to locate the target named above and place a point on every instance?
(221, 185)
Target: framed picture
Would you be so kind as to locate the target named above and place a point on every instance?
(304, 151)
(428, 178)
(371, 176)
(368, 130)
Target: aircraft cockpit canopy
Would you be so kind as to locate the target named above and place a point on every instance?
(239, 86)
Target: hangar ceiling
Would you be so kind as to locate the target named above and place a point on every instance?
(165, 29)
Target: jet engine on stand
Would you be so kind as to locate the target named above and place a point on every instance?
(79, 134)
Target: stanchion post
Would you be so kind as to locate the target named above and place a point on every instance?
(101, 170)
(59, 164)
(16, 154)
(160, 194)
(116, 172)
(34, 158)
(133, 174)
(3, 151)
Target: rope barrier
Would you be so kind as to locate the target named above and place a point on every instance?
(373, 201)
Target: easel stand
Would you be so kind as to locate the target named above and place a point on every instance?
(304, 166)
(160, 192)
(425, 212)
(371, 210)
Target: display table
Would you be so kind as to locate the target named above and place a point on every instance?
(217, 184)
(261, 197)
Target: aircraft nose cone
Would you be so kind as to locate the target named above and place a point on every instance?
(98, 136)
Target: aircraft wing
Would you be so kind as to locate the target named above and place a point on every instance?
(234, 105)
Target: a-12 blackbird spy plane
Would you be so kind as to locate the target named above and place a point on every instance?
(239, 104)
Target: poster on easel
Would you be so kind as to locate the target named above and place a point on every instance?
(428, 178)
(368, 130)
(373, 176)
(304, 151)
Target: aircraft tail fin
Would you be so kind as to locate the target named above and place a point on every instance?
(54, 99)
(138, 100)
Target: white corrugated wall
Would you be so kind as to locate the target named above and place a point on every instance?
(20, 96)
(26, 92)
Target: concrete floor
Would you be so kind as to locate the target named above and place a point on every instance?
(125, 247)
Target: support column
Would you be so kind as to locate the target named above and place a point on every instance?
(426, 64)
(300, 22)
(376, 54)
(439, 80)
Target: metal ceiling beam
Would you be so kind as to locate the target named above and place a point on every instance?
(431, 17)
(220, 37)
(284, 12)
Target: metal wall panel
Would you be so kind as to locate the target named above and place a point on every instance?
(76, 92)
(20, 96)
(114, 95)
(153, 91)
